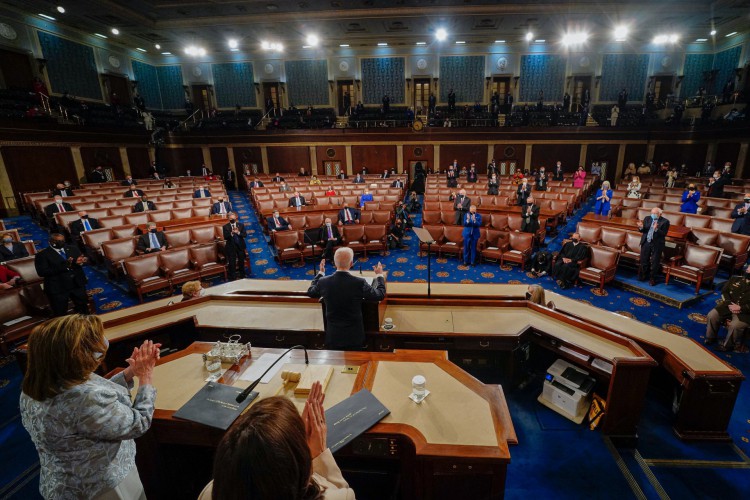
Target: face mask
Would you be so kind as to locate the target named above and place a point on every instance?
(691, 188)
(85, 216)
(747, 200)
(144, 200)
(328, 224)
(221, 201)
(654, 216)
(202, 292)
(58, 201)
(56, 244)
(67, 184)
(153, 230)
(7, 240)
(575, 240)
(100, 355)
(232, 220)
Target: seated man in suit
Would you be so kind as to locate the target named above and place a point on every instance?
(741, 224)
(129, 181)
(133, 192)
(61, 267)
(144, 205)
(284, 188)
(11, 249)
(348, 215)
(398, 183)
(152, 241)
(62, 189)
(530, 214)
(221, 207)
(202, 192)
(343, 295)
(329, 237)
(277, 223)
(359, 179)
(365, 197)
(256, 183)
(566, 267)
(58, 206)
(342, 175)
(385, 175)
(297, 200)
(97, 175)
(277, 178)
(85, 223)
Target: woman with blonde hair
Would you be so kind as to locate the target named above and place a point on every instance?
(634, 188)
(603, 199)
(191, 290)
(83, 425)
(535, 295)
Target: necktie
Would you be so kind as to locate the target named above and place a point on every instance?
(86, 225)
(60, 207)
(330, 233)
(153, 241)
(221, 208)
(650, 235)
(276, 222)
(63, 193)
(63, 254)
(347, 218)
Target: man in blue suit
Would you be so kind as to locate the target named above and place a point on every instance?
(472, 222)
(202, 192)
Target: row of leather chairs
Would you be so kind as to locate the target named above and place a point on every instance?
(681, 219)
(265, 206)
(107, 215)
(627, 205)
(504, 198)
(498, 221)
(297, 245)
(562, 205)
(314, 220)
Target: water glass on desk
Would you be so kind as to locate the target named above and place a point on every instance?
(418, 389)
(212, 363)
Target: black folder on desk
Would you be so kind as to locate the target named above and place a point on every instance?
(214, 405)
(352, 417)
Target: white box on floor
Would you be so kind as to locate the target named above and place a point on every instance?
(567, 390)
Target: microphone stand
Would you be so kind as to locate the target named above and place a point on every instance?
(250, 389)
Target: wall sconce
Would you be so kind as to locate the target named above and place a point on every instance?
(42, 64)
(408, 83)
(515, 81)
(597, 79)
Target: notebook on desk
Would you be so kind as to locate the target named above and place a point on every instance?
(352, 417)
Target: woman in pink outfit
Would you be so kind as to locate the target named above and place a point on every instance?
(579, 177)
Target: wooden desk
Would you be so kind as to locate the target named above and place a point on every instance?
(441, 448)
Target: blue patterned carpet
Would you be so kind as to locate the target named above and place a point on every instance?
(555, 458)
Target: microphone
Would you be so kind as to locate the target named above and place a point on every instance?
(249, 391)
(360, 268)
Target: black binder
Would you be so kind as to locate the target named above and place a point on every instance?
(352, 417)
(215, 405)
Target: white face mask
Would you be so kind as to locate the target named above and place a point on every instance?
(100, 355)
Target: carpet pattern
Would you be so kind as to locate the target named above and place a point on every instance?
(554, 457)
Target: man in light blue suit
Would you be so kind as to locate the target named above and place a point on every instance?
(472, 222)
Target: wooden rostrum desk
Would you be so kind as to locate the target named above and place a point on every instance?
(453, 445)
(467, 320)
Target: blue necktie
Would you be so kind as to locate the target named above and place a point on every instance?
(63, 255)
(86, 225)
(153, 240)
(650, 235)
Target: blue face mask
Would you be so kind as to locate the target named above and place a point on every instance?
(654, 216)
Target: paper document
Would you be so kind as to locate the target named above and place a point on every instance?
(260, 365)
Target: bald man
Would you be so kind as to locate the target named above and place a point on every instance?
(342, 296)
(654, 229)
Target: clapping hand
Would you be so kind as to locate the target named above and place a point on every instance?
(378, 269)
(141, 363)
(734, 308)
(314, 417)
(322, 266)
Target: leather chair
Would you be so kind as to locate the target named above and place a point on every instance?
(492, 246)
(431, 217)
(372, 205)
(352, 200)
(453, 243)
(206, 202)
(200, 211)
(519, 249)
(178, 238)
(115, 252)
(629, 213)
(674, 218)
(723, 213)
(705, 236)
(139, 219)
(437, 234)
(515, 221)
(317, 220)
(602, 266)
(723, 225)
(207, 261)
(699, 264)
(175, 266)
(26, 268)
(735, 248)
(219, 232)
(501, 201)
(432, 206)
(381, 217)
(100, 204)
(159, 215)
(287, 245)
(694, 220)
(297, 221)
(181, 213)
(125, 231)
(113, 221)
(202, 234)
(177, 204)
(499, 222)
(365, 217)
(12, 309)
(375, 237)
(612, 238)
(117, 210)
(590, 233)
(266, 206)
(92, 243)
(354, 237)
(144, 275)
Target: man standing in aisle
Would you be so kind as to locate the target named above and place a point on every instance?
(472, 222)
(61, 267)
(654, 229)
(234, 250)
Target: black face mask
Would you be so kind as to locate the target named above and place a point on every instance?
(747, 200)
(85, 216)
(57, 244)
(691, 188)
(528, 295)
(575, 240)
(232, 220)
(153, 230)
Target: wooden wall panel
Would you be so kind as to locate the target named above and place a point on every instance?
(424, 153)
(288, 158)
(376, 158)
(177, 161)
(634, 153)
(509, 152)
(106, 157)
(549, 154)
(600, 153)
(219, 161)
(35, 168)
(140, 162)
(466, 154)
(245, 157)
(330, 153)
(692, 155)
(727, 151)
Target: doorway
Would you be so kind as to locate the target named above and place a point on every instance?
(345, 96)
(15, 70)
(663, 88)
(202, 99)
(422, 89)
(118, 88)
(331, 167)
(271, 101)
(581, 92)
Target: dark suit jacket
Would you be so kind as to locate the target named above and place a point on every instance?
(530, 224)
(129, 193)
(660, 233)
(717, 188)
(18, 251)
(462, 204)
(144, 243)
(385, 175)
(216, 207)
(472, 176)
(51, 209)
(197, 194)
(397, 183)
(59, 275)
(96, 176)
(343, 295)
(76, 227)
(238, 243)
(353, 213)
(741, 224)
(293, 201)
(736, 290)
(360, 181)
(131, 183)
(253, 184)
(342, 175)
(61, 192)
(323, 233)
(559, 175)
(283, 224)
(522, 194)
(138, 207)
(278, 178)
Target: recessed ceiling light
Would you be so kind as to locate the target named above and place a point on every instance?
(306, 47)
(713, 32)
(233, 44)
(100, 35)
(140, 49)
(460, 42)
(529, 36)
(621, 33)
(499, 41)
(61, 9)
(115, 31)
(541, 40)
(47, 17)
(343, 45)
(730, 34)
(312, 40)
(382, 44)
(166, 53)
(234, 50)
(574, 38)
(673, 38)
(421, 43)
(441, 34)
(157, 46)
(701, 39)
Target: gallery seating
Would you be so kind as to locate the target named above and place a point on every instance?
(144, 275)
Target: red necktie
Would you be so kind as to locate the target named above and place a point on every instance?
(276, 221)
(347, 217)
(60, 207)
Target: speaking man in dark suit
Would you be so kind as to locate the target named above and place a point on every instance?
(329, 237)
(221, 207)
(277, 223)
(342, 296)
(133, 192)
(530, 216)
(62, 190)
(654, 229)
(741, 224)
(129, 181)
(10, 249)
(85, 223)
(297, 200)
(348, 215)
(144, 205)
(234, 250)
(472, 222)
(152, 240)
(97, 175)
(60, 266)
(461, 206)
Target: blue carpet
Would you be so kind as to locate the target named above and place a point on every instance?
(554, 458)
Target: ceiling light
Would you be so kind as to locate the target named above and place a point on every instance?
(306, 47)
(701, 39)
(115, 31)
(265, 45)
(621, 33)
(382, 44)
(233, 44)
(730, 34)
(61, 9)
(662, 39)
(460, 42)
(100, 35)
(140, 49)
(343, 45)
(47, 17)
(541, 40)
(713, 32)
(190, 50)
(499, 41)
(574, 38)
(421, 43)
(529, 36)
(441, 34)
(166, 53)
(201, 52)
(312, 40)
(157, 46)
